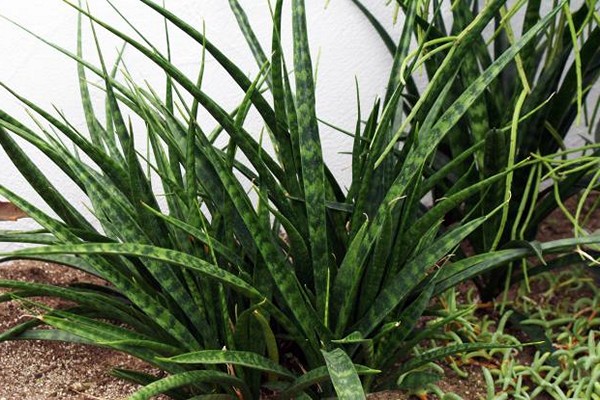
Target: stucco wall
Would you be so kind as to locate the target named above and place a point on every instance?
(347, 45)
(349, 48)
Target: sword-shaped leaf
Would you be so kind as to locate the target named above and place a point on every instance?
(228, 382)
(343, 375)
(243, 358)
(313, 174)
(318, 375)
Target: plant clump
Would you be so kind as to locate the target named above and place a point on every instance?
(299, 287)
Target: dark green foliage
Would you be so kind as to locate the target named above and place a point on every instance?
(295, 285)
(525, 109)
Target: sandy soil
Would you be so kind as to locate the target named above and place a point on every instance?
(36, 370)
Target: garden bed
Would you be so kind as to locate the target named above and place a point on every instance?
(39, 370)
(35, 370)
(51, 370)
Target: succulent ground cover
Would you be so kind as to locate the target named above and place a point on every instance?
(561, 310)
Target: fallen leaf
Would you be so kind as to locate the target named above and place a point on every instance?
(10, 212)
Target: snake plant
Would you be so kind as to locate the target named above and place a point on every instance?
(549, 89)
(235, 269)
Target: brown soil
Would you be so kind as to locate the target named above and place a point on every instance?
(36, 370)
(556, 225)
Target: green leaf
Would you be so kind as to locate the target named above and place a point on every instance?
(354, 337)
(107, 305)
(226, 381)
(246, 28)
(170, 256)
(467, 268)
(404, 282)
(385, 37)
(156, 253)
(407, 321)
(347, 281)
(535, 247)
(121, 278)
(201, 236)
(244, 140)
(232, 69)
(318, 375)
(41, 184)
(343, 375)
(143, 379)
(436, 354)
(313, 175)
(470, 95)
(243, 358)
(401, 51)
(418, 380)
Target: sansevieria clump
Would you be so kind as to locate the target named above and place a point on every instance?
(298, 287)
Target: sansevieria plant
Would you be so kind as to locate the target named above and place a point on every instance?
(296, 286)
(525, 112)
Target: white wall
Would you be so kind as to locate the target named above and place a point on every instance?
(348, 48)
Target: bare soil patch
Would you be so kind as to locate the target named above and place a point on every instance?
(40, 370)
